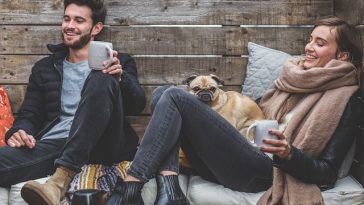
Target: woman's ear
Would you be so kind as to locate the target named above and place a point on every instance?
(344, 56)
(97, 28)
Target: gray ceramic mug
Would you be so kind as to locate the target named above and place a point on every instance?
(98, 52)
(261, 131)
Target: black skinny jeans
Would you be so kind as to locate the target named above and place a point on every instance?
(213, 146)
(100, 113)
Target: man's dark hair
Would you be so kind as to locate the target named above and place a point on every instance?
(97, 7)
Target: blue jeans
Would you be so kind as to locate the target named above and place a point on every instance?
(96, 136)
(215, 149)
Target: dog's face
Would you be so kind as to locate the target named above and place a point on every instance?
(205, 87)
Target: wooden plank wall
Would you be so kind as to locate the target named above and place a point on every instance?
(169, 39)
(352, 11)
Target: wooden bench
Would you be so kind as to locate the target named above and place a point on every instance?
(171, 40)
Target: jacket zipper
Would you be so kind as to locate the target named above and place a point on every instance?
(53, 122)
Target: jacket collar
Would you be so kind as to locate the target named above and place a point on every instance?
(58, 50)
(59, 53)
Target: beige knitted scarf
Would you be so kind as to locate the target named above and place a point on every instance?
(323, 93)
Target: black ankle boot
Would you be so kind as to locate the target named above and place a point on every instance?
(169, 191)
(126, 193)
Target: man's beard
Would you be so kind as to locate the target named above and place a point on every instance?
(84, 40)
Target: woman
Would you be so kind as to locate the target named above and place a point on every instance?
(319, 94)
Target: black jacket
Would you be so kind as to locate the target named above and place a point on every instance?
(323, 170)
(41, 107)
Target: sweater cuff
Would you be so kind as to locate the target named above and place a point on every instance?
(282, 163)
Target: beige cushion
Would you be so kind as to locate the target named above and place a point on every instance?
(202, 192)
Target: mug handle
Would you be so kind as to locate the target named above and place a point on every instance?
(109, 50)
(248, 130)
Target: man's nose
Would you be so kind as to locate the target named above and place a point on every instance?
(71, 24)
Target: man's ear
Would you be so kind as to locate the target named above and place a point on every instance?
(344, 56)
(97, 28)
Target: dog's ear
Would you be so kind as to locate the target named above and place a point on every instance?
(217, 79)
(188, 80)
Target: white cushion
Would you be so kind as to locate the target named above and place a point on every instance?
(14, 195)
(202, 192)
(149, 191)
(347, 191)
(4, 195)
(264, 66)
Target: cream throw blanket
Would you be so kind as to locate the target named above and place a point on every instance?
(325, 92)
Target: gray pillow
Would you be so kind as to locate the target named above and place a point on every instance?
(264, 66)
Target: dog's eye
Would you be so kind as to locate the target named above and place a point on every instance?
(212, 89)
(195, 89)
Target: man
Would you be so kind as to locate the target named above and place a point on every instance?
(71, 115)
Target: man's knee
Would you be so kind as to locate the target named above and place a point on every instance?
(98, 81)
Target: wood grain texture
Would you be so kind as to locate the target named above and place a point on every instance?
(16, 95)
(173, 70)
(227, 40)
(350, 10)
(15, 69)
(136, 12)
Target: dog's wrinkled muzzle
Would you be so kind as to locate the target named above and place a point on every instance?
(205, 96)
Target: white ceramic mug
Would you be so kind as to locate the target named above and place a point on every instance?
(261, 131)
(98, 52)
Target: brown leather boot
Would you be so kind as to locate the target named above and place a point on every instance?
(51, 192)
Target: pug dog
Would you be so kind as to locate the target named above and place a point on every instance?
(238, 109)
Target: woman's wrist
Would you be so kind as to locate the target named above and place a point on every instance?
(287, 153)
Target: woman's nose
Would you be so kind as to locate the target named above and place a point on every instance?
(308, 46)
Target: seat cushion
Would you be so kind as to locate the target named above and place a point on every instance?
(149, 191)
(14, 195)
(4, 195)
(202, 192)
(347, 191)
